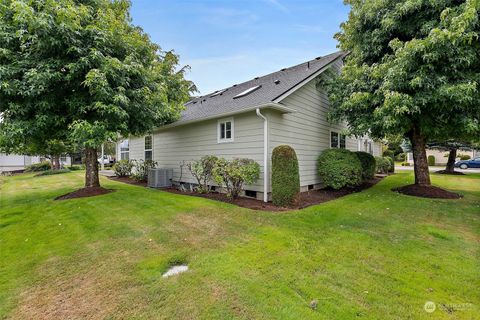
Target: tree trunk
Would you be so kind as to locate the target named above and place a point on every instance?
(420, 163)
(55, 162)
(451, 161)
(91, 166)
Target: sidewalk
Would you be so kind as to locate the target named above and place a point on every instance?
(433, 169)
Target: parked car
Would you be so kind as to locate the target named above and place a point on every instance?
(466, 164)
(106, 160)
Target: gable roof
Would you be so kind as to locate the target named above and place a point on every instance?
(260, 91)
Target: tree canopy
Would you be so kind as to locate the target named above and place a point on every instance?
(413, 68)
(81, 71)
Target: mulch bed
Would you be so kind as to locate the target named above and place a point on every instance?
(306, 199)
(454, 173)
(129, 181)
(84, 192)
(427, 192)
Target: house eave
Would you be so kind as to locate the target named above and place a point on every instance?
(272, 106)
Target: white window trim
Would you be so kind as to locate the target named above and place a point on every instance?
(220, 121)
(338, 142)
(120, 149)
(144, 147)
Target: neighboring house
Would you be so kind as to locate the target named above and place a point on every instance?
(441, 157)
(248, 120)
(15, 162)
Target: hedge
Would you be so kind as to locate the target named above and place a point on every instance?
(285, 176)
(339, 168)
(431, 160)
(368, 164)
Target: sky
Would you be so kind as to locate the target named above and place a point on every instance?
(232, 41)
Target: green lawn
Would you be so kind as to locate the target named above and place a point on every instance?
(371, 255)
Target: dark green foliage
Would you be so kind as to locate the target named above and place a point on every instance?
(123, 168)
(431, 160)
(339, 168)
(391, 169)
(368, 164)
(81, 71)
(75, 168)
(41, 166)
(52, 172)
(285, 176)
(382, 165)
(389, 153)
(413, 70)
(464, 157)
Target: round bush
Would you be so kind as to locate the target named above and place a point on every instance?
(285, 176)
(368, 164)
(382, 164)
(339, 168)
(431, 160)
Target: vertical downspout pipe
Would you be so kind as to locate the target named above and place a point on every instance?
(265, 155)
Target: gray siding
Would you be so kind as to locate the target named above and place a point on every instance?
(173, 146)
(307, 130)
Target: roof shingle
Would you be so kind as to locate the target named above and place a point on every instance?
(271, 86)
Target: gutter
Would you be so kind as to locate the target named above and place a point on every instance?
(265, 155)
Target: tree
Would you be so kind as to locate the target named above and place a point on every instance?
(80, 71)
(413, 69)
(452, 147)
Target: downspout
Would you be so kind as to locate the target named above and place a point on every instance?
(265, 155)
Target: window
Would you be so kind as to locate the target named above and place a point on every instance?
(225, 130)
(148, 148)
(337, 140)
(124, 150)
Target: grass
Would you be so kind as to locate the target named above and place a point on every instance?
(372, 255)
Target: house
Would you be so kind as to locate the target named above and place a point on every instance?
(441, 157)
(16, 162)
(248, 120)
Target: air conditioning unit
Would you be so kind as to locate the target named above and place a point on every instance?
(160, 178)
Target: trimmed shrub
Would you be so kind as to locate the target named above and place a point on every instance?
(464, 157)
(382, 164)
(391, 169)
(368, 164)
(339, 168)
(75, 168)
(41, 166)
(123, 168)
(405, 164)
(234, 174)
(140, 169)
(202, 171)
(51, 172)
(285, 176)
(431, 160)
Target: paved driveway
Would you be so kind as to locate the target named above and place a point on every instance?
(433, 169)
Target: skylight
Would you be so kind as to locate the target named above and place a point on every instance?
(216, 93)
(248, 91)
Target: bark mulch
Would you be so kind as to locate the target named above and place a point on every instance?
(84, 192)
(427, 192)
(129, 181)
(306, 199)
(455, 173)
